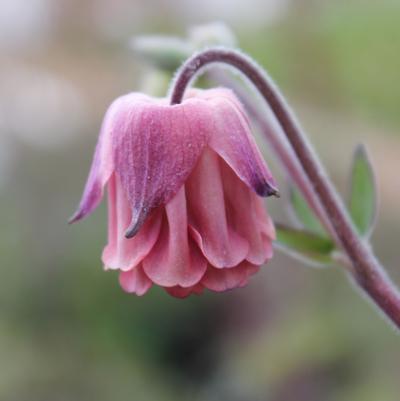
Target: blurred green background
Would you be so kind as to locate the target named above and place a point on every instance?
(67, 331)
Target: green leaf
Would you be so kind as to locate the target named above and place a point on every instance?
(306, 245)
(215, 33)
(362, 200)
(167, 53)
(303, 212)
(164, 52)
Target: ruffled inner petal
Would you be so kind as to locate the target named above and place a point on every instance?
(248, 216)
(180, 292)
(175, 260)
(135, 281)
(226, 279)
(220, 244)
(123, 253)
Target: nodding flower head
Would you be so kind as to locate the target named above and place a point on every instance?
(184, 185)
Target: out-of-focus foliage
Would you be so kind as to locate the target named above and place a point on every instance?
(362, 200)
(302, 213)
(345, 54)
(315, 249)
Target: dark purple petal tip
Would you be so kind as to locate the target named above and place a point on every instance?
(90, 200)
(136, 223)
(266, 188)
(75, 217)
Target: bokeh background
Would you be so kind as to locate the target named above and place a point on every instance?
(67, 331)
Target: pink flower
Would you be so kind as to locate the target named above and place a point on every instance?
(183, 184)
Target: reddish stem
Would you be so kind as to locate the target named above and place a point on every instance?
(367, 272)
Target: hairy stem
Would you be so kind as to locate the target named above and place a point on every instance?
(367, 272)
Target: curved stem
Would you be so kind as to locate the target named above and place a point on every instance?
(367, 272)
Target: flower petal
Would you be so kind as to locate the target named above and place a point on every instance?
(233, 141)
(175, 259)
(248, 216)
(135, 281)
(156, 148)
(180, 292)
(120, 252)
(102, 165)
(220, 244)
(226, 279)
